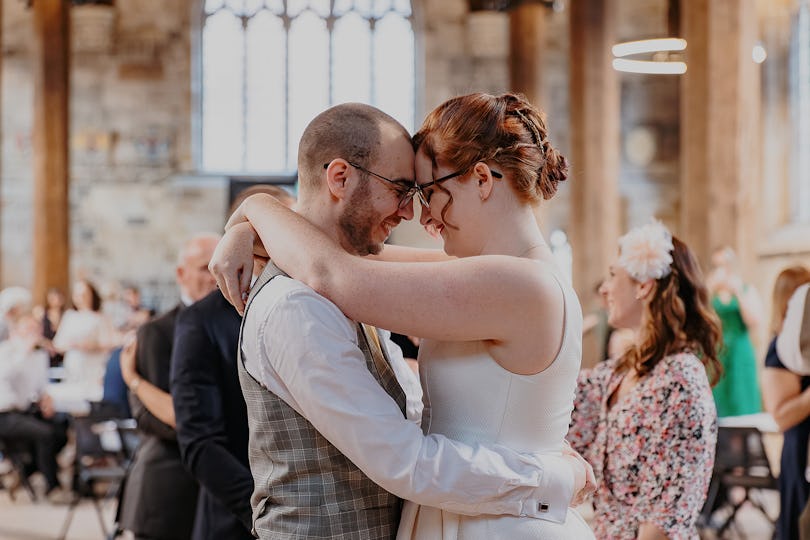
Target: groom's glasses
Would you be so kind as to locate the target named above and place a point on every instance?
(404, 189)
(425, 191)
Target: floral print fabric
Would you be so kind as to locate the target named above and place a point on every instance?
(652, 451)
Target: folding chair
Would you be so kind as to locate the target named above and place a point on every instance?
(741, 462)
(19, 457)
(102, 459)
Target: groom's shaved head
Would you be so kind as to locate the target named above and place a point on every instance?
(350, 131)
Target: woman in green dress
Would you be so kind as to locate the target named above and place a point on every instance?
(740, 312)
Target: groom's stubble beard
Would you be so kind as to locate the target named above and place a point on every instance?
(359, 219)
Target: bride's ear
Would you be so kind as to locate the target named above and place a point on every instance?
(337, 172)
(482, 175)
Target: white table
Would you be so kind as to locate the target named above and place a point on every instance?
(74, 398)
(762, 421)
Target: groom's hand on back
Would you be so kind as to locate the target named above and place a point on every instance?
(584, 479)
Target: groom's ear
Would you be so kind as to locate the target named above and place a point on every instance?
(337, 172)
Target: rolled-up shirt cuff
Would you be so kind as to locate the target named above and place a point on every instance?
(553, 496)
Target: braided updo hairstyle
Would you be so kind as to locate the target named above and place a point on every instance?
(504, 129)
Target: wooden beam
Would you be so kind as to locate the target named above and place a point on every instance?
(50, 139)
(594, 91)
(527, 37)
(719, 125)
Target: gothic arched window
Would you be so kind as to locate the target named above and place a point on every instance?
(269, 66)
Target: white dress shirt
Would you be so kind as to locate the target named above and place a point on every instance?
(304, 349)
(23, 375)
(792, 346)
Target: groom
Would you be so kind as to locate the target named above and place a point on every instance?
(335, 442)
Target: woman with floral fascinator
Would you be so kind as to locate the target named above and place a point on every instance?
(646, 421)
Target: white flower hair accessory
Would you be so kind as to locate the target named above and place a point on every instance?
(646, 252)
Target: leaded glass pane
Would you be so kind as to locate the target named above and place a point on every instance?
(237, 6)
(394, 68)
(309, 77)
(276, 6)
(296, 7)
(403, 6)
(351, 64)
(222, 137)
(265, 94)
(213, 5)
(321, 7)
(252, 7)
(381, 7)
(363, 7)
(341, 7)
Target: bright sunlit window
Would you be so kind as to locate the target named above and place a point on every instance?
(800, 112)
(269, 66)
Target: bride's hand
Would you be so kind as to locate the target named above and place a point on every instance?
(232, 264)
(584, 479)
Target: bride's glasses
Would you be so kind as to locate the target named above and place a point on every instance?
(425, 191)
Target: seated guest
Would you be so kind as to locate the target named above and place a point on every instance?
(646, 421)
(115, 389)
(13, 302)
(51, 315)
(86, 337)
(26, 411)
(786, 396)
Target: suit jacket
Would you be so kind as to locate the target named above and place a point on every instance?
(211, 417)
(160, 496)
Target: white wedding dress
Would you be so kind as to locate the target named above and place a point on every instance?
(471, 398)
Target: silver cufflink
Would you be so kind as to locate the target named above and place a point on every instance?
(542, 507)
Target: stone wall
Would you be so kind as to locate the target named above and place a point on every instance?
(132, 201)
(134, 192)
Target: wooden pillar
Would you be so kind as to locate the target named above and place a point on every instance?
(527, 36)
(1, 134)
(594, 91)
(719, 122)
(50, 139)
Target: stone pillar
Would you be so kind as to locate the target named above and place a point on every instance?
(527, 37)
(50, 140)
(594, 91)
(719, 128)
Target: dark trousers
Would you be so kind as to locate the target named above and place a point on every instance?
(43, 437)
(804, 523)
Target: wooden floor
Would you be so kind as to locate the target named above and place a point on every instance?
(23, 520)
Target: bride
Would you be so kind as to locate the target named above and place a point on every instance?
(501, 326)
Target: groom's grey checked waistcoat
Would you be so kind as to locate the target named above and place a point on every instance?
(303, 486)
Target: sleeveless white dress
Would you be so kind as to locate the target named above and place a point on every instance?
(469, 397)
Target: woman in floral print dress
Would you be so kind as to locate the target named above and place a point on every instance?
(647, 420)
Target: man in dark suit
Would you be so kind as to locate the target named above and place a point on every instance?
(210, 411)
(211, 418)
(160, 496)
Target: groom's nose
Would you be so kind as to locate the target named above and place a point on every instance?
(406, 212)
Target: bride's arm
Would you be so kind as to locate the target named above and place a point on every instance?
(410, 254)
(487, 297)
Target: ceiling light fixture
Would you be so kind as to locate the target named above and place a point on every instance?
(666, 59)
(648, 46)
(652, 67)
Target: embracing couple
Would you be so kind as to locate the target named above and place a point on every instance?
(338, 434)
